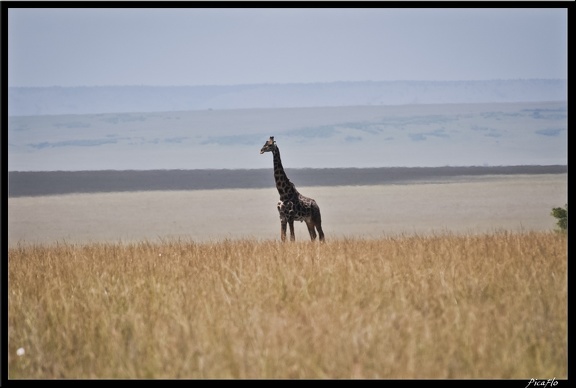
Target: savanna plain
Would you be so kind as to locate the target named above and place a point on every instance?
(477, 291)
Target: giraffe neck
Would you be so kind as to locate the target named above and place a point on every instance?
(286, 189)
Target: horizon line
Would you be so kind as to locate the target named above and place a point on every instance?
(288, 83)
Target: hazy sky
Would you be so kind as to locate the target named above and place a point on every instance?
(88, 47)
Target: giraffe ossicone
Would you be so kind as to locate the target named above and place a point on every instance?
(292, 206)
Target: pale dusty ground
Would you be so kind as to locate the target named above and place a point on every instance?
(471, 205)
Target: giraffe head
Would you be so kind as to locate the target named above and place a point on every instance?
(269, 146)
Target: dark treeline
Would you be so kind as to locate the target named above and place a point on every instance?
(40, 183)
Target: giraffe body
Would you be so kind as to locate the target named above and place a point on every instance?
(293, 206)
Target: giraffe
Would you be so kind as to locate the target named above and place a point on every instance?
(292, 206)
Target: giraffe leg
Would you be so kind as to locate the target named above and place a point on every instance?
(311, 230)
(320, 232)
(317, 222)
(292, 236)
(283, 231)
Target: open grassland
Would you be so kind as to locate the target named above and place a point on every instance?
(466, 205)
(442, 306)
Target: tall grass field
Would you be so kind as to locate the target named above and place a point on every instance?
(441, 306)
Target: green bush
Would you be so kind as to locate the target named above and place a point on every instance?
(562, 216)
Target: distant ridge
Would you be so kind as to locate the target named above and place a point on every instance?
(30, 183)
(34, 101)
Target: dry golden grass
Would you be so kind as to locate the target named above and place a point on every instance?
(443, 306)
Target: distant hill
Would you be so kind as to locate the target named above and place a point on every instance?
(31, 101)
(420, 135)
